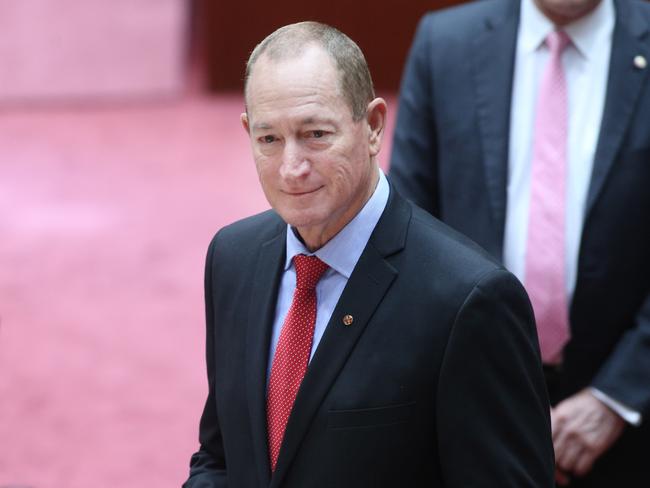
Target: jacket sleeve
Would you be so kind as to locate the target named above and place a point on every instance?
(207, 465)
(493, 410)
(413, 163)
(625, 376)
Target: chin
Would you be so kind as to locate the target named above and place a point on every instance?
(570, 11)
(301, 218)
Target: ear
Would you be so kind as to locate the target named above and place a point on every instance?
(376, 119)
(244, 122)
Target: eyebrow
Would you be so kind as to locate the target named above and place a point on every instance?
(305, 121)
(317, 120)
(261, 126)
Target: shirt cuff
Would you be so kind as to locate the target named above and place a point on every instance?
(630, 416)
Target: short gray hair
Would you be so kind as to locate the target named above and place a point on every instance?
(291, 40)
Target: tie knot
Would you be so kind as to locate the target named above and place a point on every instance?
(309, 270)
(557, 41)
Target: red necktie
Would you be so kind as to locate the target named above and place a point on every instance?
(545, 251)
(293, 350)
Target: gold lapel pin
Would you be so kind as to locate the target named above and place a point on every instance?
(640, 62)
(348, 319)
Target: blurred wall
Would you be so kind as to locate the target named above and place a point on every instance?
(80, 49)
(383, 30)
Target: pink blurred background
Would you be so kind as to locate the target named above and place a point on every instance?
(116, 167)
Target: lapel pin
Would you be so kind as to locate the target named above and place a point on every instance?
(348, 319)
(640, 62)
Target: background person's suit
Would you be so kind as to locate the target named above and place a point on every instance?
(450, 156)
(437, 382)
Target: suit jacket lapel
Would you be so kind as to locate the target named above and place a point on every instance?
(623, 89)
(493, 61)
(365, 289)
(266, 278)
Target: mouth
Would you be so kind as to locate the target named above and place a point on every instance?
(302, 193)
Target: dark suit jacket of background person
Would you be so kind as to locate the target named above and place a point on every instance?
(437, 382)
(450, 156)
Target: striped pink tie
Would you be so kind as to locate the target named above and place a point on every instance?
(545, 251)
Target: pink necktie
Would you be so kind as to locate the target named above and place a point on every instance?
(293, 350)
(545, 250)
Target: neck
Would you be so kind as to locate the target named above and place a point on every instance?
(316, 237)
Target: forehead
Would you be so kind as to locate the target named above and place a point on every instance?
(307, 81)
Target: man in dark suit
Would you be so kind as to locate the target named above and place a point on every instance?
(474, 115)
(352, 339)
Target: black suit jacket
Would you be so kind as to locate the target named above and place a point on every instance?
(450, 156)
(436, 383)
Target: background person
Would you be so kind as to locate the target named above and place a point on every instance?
(524, 125)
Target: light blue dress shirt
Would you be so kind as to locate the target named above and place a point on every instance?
(341, 254)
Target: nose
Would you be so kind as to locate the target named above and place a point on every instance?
(295, 164)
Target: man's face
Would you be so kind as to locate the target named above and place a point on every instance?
(563, 12)
(315, 163)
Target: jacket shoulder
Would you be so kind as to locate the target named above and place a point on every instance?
(641, 6)
(246, 235)
(451, 33)
(452, 253)
(635, 13)
(466, 16)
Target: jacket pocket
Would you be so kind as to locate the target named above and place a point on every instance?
(370, 417)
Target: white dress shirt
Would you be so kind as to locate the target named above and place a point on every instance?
(586, 67)
(341, 254)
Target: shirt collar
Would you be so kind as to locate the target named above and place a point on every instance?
(586, 34)
(342, 252)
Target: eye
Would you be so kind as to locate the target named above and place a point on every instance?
(268, 139)
(317, 134)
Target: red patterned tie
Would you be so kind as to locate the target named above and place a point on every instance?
(545, 256)
(293, 350)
